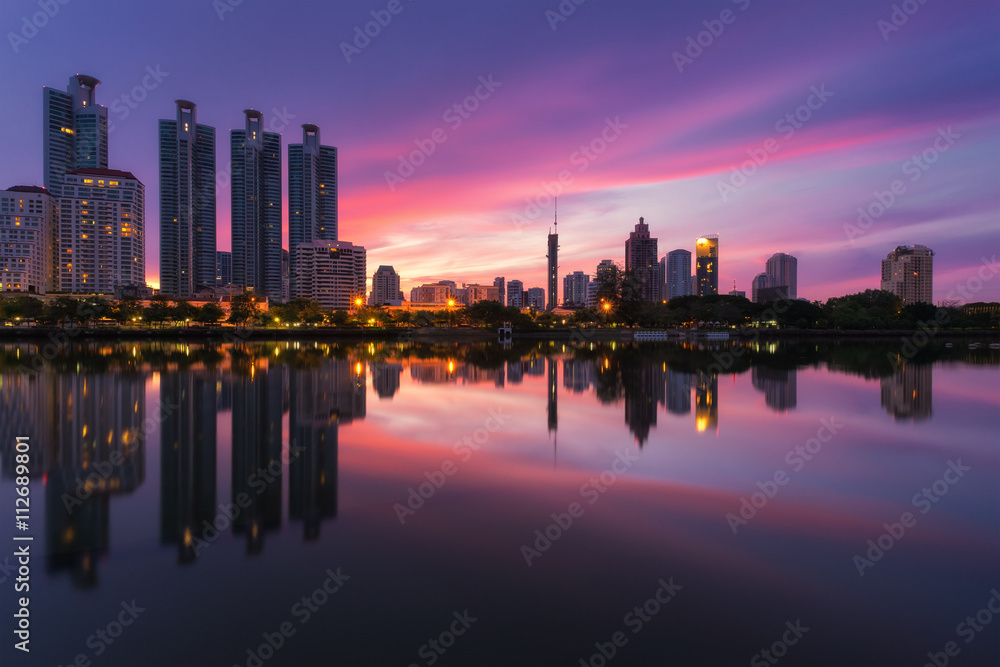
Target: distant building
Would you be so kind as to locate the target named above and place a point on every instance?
(707, 248)
(782, 270)
(101, 231)
(677, 273)
(332, 273)
(501, 286)
(312, 194)
(256, 207)
(223, 268)
(475, 293)
(286, 278)
(738, 292)
(553, 268)
(29, 223)
(385, 287)
(515, 294)
(770, 294)
(575, 287)
(535, 298)
(908, 272)
(187, 203)
(641, 258)
(592, 294)
(760, 281)
(440, 292)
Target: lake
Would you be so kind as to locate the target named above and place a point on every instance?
(545, 502)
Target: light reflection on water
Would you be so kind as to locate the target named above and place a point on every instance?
(754, 476)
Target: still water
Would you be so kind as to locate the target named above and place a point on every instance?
(299, 503)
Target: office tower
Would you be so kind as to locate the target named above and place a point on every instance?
(642, 259)
(778, 385)
(440, 292)
(475, 293)
(501, 286)
(187, 203)
(223, 268)
(515, 294)
(783, 270)
(256, 207)
(312, 195)
(677, 273)
(385, 287)
(908, 272)
(534, 297)
(29, 223)
(286, 283)
(101, 231)
(592, 288)
(75, 130)
(553, 258)
(760, 282)
(575, 289)
(332, 272)
(187, 458)
(707, 264)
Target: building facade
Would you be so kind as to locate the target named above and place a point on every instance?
(385, 287)
(515, 294)
(101, 231)
(641, 257)
(256, 207)
(441, 292)
(760, 282)
(553, 267)
(535, 298)
(575, 289)
(908, 272)
(783, 271)
(707, 248)
(223, 268)
(312, 194)
(677, 274)
(29, 220)
(75, 130)
(187, 203)
(332, 273)
(501, 284)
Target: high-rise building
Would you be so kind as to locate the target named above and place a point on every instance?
(707, 264)
(501, 286)
(256, 207)
(385, 287)
(575, 289)
(515, 294)
(223, 268)
(783, 271)
(553, 258)
(29, 221)
(187, 203)
(440, 292)
(101, 231)
(677, 273)
(760, 282)
(908, 272)
(75, 130)
(332, 273)
(286, 279)
(476, 293)
(641, 258)
(592, 294)
(312, 194)
(534, 297)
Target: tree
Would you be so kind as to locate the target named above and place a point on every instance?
(210, 313)
(243, 309)
(125, 309)
(159, 310)
(183, 311)
(339, 317)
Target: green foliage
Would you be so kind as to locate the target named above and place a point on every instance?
(243, 309)
(210, 313)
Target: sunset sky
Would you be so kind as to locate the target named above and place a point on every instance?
(666, 121)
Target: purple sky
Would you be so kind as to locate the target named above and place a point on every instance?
(889, 93)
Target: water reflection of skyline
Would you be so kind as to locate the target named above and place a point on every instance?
(89, 417)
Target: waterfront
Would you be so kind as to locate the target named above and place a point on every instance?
(834, 502)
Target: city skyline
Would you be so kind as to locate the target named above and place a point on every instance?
(871, 116)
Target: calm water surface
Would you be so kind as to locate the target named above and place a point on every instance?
(397, 504)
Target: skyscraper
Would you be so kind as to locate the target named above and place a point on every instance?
(677, 273)
(102, 243)
(534, 297)
(29, 222)
(385, 287)
(256, 207)
(332, 273)
(75, 130)
(553, 258)
(223, 268)
(312, 195)
(501, 286)
(760, 282)
(641, 257)
(707, 268)
(187, 203)
(908, 272)
(575, 289)
(783, 270)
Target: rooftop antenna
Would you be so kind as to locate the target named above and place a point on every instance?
(556, 214)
